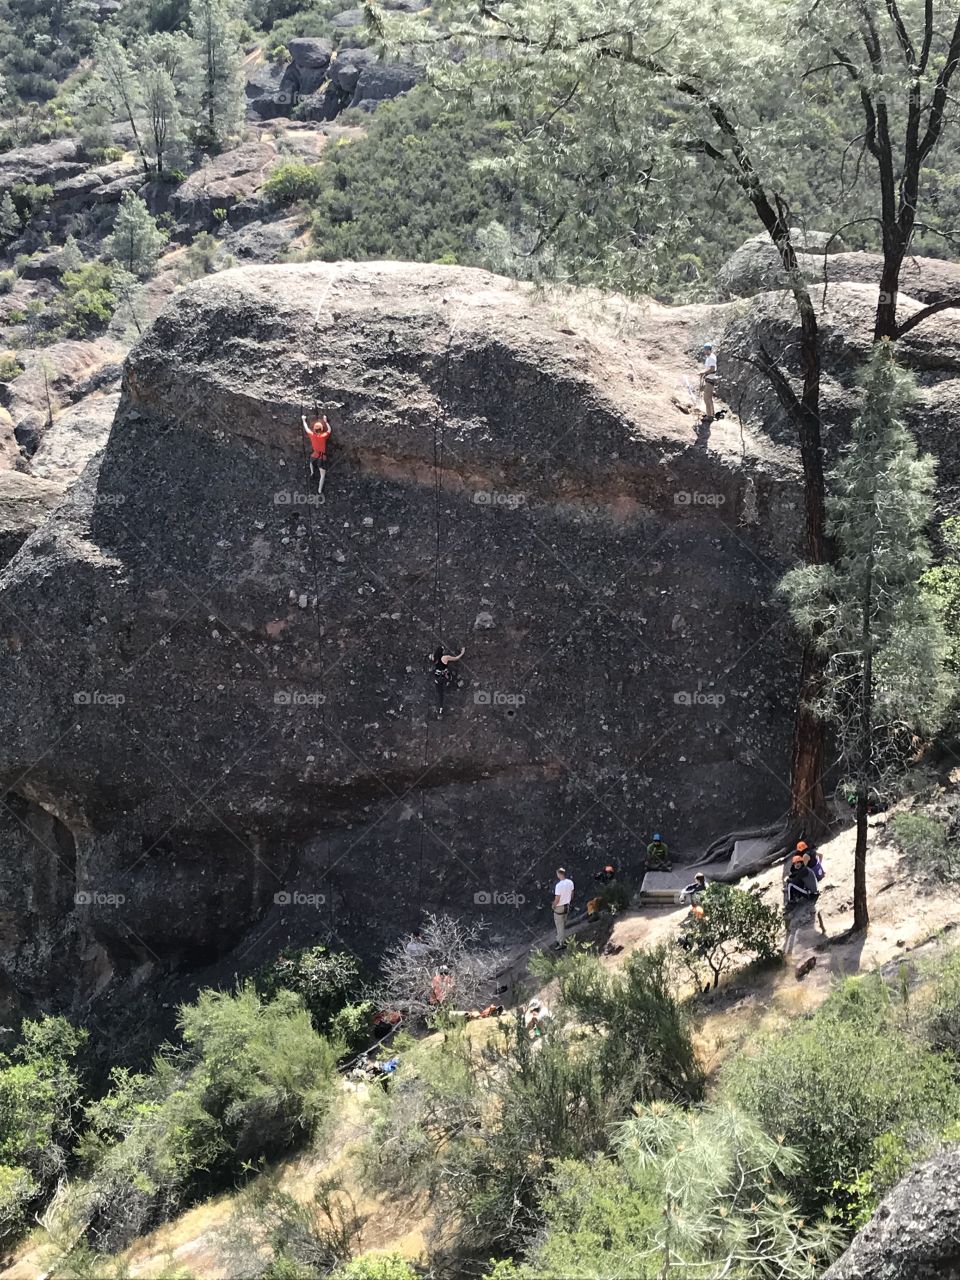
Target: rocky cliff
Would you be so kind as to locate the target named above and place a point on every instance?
(216, 713)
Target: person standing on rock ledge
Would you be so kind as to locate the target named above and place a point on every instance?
(708, 380)
(318, 433)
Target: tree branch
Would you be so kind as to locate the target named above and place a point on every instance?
(924, 313)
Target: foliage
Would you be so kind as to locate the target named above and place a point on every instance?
(39, 1090)
(203, 256)
(41, 41)
(30, 198)
(409, 970)
(927, 845)
(643, 1043)
(10, 222)
(325, 980)
(736, 923)
(408, 189)
(252, 1079)
(293, 180)
(302, 1238)
(885, 684)
(837, 1084)
(942, 1015)
(136, 242)
(10, 367)
(217, 71)
(377, 1266)
(87, 299)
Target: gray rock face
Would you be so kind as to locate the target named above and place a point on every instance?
(381, 80)
(345, 69)
(215, 765)
(309, 52)
(348, 19)
(222, 183)
(49, 162)
(755, 268)
(915, 1234)
(24, 504)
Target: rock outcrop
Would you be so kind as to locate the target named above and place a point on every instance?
(915, 1234)
(215, 691)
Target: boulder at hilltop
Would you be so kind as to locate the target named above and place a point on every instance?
(915, 1233)
(230, 718)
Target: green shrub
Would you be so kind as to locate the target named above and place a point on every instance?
(204, 256)
(292, 180)
(836, 1085)
(18, 1190)
(30, 198)
(735, 924)
(252, 1079)
(377, 1266)
(643, 1038)
(926, 845)
(87, 300)
(326, 980)
(942, 1015)
(307, 1238)
(10, 368)
(408, 189)
(690, 1193)
(7, 280)
(353, 1025)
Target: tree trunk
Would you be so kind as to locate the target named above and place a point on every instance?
(808, 801)
(861, 912)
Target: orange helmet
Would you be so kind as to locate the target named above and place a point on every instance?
(801, 845)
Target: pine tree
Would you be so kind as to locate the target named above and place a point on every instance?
(121, 88)
(163, 128)
(10, 223)
(885, 649)
(217, 71)
(136, 241)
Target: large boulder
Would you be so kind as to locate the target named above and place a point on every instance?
(232, 718)
(756, 268)
(221, 183)
(379, 81)
(56, 376)
(25, 502)
(915, 1234)
(346, 68)
(43, 162)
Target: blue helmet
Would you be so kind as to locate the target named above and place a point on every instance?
(657, 836)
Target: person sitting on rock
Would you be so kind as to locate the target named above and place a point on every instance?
(811, 858)
(801, 883)
(443, 677)
(658, 855)
(692, 891)
(318, 433)
(607, 876)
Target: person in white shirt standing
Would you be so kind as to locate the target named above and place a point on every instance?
(708, 380)
(562, 896)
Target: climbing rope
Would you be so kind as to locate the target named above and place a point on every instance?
(439, 424)
(316, 577)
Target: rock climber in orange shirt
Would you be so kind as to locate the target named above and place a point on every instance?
(318, 433)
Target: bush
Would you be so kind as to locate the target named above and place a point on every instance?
(927, 847)
(39, 1090)
(836, 1085)
(7, 280)
(643, 1039)
(942, 1015)
(30, 198)
(306, 1239)
(87, 300)
(252, 1079)
(735, 924)
(377, 1266)
(204, 256)
(10, 368)
(292, 180)
(691, 1193)
(326, 980)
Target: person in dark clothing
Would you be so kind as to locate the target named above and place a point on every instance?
(691, 892)
(443, 677)
(607, 875)
(801, 883)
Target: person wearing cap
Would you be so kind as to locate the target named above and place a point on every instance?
(801, 883)
(692, 919)
(562, 897)
(658, 855)
(441, 985)
(708, 380)
(691, 892)
(534, 1018)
